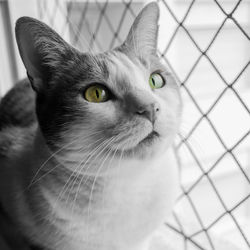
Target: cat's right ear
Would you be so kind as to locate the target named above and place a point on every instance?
(41, 50)
(142, 37)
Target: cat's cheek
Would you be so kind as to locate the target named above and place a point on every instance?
(167, 127)
(167, 122)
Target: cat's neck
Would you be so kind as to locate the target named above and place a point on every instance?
(71, 203)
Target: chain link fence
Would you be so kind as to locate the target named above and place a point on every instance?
(206, 46)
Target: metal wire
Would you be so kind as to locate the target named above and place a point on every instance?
(92, 40)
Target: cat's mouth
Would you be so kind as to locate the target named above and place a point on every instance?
(140, 146)
(137, 143)
(149, 138)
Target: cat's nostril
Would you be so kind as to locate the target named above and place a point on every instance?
(156, 107)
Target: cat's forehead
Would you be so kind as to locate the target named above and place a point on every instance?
(125, 72)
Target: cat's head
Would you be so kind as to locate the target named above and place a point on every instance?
(121, 101)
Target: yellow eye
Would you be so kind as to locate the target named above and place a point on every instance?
(96, 93)
(156, 81)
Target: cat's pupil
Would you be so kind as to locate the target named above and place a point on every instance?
(97, 93)
(153, 81)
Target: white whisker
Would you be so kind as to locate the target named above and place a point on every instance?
(59, 150)
(67, 184)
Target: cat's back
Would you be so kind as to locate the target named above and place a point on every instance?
(17, 129)
(17, 107)
(17, 119)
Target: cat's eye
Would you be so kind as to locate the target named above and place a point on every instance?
(156, 81)
(96, 93)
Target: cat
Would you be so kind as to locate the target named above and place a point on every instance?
(88, 163)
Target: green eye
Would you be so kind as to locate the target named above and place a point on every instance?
(96, 93)
(156, 81)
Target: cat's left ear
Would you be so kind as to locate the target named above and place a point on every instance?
(142, 37)
(42, 50)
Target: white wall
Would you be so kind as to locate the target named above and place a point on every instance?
(8, 72)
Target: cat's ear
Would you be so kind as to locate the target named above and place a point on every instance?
(142, 37)
(41, 50)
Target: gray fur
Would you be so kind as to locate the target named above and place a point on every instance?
(17, 108)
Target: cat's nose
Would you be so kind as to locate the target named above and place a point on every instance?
(149, 111)
(142, 104)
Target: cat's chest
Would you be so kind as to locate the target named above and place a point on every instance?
(136, 189)
(144, 193)
(131, 205)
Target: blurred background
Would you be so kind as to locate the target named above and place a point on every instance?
(206, 45)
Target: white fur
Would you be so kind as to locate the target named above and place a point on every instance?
(137, 199)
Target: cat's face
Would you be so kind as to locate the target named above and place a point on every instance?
(122, 102)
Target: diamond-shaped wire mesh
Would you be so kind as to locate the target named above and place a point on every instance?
(206, 46)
